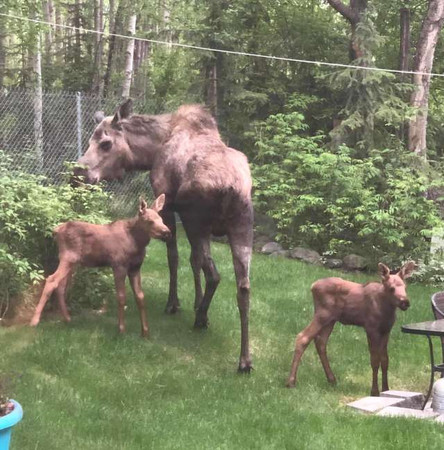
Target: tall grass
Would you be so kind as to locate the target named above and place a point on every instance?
(83, 386)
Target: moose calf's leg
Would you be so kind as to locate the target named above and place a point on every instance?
(61, 297)
(384, 363)
(51, 284)
(374, 346)
(301, 343)
(136, 286)
(321, 346)
(119, 280)
(196, 259)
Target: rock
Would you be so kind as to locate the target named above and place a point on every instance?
(333, 263)
(280, 253)
(306, 255)
(265, 225)
(259, 240)
(355, 262)
(271, 247)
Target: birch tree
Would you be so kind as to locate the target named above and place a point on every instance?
(129, 57)
(425, 52)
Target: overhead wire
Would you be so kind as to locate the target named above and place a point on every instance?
(224, 51)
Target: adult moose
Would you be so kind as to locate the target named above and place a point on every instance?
(371, 306)
(207, 183)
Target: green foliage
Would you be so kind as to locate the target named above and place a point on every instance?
(336, 203)
(29, 211)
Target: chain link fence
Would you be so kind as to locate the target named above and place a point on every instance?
(43, 132)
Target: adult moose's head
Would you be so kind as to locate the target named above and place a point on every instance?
(119, 143)
(108, 153)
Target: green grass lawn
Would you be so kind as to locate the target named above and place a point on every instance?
(85, 387)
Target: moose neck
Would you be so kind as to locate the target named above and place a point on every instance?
(138, 232)
(145, 136)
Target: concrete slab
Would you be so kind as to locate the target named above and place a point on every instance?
(413, 400)
(371, 405)
(396, 411)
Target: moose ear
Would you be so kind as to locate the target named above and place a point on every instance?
(98, 117)
(384, 271)
(123, 112)
(407, 270)
(159, 203)
(142, 205)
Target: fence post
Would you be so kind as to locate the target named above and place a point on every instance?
(79, 123)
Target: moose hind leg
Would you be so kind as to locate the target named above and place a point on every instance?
(51, 284)
(61, 296)
(301, 343)
(212, 279)
(241, 249)
(321, 346)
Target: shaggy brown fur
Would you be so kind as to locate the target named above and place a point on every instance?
(371, 306)
(206, 182)
(120, 245)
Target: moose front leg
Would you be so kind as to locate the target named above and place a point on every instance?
(169, 220)
(384, 362)
(374, 345)
(119, 280)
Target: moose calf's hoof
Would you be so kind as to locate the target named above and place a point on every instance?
(290, 383)
(245, 367)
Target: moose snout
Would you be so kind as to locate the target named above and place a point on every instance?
(166, 235)
(404, 304)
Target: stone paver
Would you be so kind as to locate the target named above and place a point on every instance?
(396, 411)
(372, 405)
(411, 399)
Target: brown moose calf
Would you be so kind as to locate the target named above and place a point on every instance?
(120, 245)
(371, 306)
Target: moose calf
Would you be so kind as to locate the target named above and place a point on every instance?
(371, 306)
(120, 245)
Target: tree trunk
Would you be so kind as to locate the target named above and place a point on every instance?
(77, 50)
(98, 25)
(113, 23)
(425, 51)
(404, 48)
(2, 45)
(129, 57)
(48, 14)
(38, 104)
(353, 13)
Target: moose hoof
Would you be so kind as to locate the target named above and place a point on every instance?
(201, 323)
(34, 322)
(332, 381)
(374, 393)
(245, 367)
(172, 309)
(290, 383)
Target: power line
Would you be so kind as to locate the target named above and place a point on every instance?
(228, 52)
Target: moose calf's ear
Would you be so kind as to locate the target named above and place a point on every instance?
(142, 205)
(99, 116)
(407, 269)
(383, 270)
(159, 203)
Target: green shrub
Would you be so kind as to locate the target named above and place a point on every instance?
(29, 211)
(334, 202)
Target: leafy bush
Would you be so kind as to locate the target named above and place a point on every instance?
(29, 211)
(336, 203)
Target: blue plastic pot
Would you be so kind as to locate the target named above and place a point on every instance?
(6, 424)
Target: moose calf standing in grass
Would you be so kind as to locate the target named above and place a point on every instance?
(120, 245)
(371, 306)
